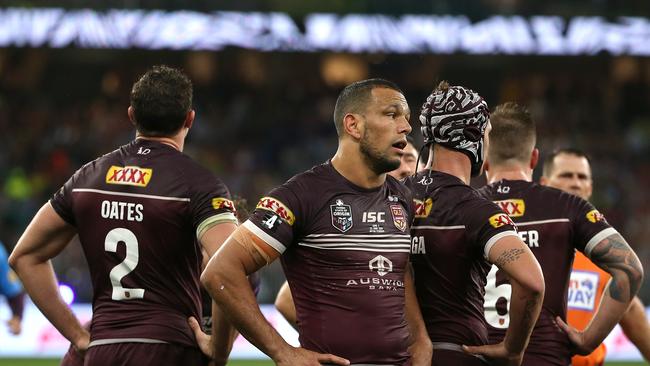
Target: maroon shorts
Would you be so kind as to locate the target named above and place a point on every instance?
(72, 358)
(141, 354)
(443, 357)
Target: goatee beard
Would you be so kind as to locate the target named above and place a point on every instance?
(376, 161)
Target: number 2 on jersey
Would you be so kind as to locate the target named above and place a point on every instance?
(127, 266)
(492, 295)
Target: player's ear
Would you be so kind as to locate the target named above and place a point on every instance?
(189, 119)
(131, 113)
(534, 158)
(352, 125)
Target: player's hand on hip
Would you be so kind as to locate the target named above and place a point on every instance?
(421, 353)
(497, 354)
(577, 338)
(203, 340)
(302, 357)
(81, 344)
(14, 325)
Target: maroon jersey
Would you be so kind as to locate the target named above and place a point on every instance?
(345, 249)
(554, 224)
(138, 212)
(452, 234)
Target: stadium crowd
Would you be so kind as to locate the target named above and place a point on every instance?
(259, 122)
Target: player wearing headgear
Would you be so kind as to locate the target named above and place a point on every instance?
(554, 224)
(457, 235)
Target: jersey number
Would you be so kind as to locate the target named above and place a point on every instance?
(492, 295)
(127, 266)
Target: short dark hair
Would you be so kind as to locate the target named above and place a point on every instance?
(161, 99)
(549, 162)
(354, 98)
(513, 134)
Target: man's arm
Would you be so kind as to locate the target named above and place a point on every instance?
(514, 257)
(421, 348)
(225, 279)
(223, 333)
(284, 304)
(44, 238)
(636, 327)
(615, 256)
(17, 305)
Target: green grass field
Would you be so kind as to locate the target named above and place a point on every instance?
(50, 362)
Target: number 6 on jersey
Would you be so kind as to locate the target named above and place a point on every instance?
(127, 266)
(492, 295)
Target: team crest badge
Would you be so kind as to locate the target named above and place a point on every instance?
(341, 216)
(399, 219)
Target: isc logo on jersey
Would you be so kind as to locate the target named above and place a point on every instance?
(582, 290)
(220, 202)
(128, 175)
(513, 207)
(273, 205)
(595, 216)
(423, 208)
(500, 219)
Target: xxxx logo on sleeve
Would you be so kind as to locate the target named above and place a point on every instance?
(128, 175)
(220, 202)
(513, 207)
(595, 216)
(423, 208)
(273, 205)
(501, 219)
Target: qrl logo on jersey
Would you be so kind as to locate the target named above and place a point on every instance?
(513, 207)
(501, 219)
(128, 175)
(399, 219)
(220, 202)
(582, 290)
(595, 216)
(423, 208)
(273, 205)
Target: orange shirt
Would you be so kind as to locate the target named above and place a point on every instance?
(585, 291)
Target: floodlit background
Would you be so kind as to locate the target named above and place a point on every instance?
(267, 73)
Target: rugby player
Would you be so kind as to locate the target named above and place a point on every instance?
(553, 224)
(342, 231)
(284, 300)
(570, 171)
(457, 234)
(142, 212)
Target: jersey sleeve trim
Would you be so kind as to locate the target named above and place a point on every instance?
(268, 239)
(493, 240)
(222, 218)
(597, 239)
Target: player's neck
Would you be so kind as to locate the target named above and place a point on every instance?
(451, 162)
(172, 141)
(497, 173)
(352, 166)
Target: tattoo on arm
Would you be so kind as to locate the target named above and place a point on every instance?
(509, 256)
(616, 257)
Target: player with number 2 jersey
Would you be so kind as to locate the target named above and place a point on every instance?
(143, 213)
